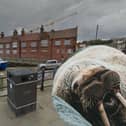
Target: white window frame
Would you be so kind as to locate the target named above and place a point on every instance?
(7, 51)
(69, 51)
(14, 52)
(1, 46)
(14, 45)
(7, 45)
(1, 51)
(67, 42)
(44, 43)
(23, 44)
(33, 44)
(57, 43)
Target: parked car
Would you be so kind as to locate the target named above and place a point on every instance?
(3, 64)
(50, 64)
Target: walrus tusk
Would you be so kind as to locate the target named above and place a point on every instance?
(121, 98)
(103, 114)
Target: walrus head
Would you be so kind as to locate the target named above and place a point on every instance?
(98, 86)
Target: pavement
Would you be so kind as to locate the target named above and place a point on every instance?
(45, 114)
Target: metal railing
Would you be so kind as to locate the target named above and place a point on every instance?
(29, 61)
(42, 77)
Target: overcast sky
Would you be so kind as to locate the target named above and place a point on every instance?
(109, 14)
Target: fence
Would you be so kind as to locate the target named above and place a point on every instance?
(43, 76)
(28, 61)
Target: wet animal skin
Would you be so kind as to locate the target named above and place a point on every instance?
(92, 89)
(99, 87)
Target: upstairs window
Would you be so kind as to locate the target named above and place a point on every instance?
(7, 51)
(33, 44)
(67, 42)
(57, 43)
(7, 46)
(14, 45)
(23, 44)
(1, 51)
(1, 46)
(44, 43)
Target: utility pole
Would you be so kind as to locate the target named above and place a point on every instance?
(97, 28)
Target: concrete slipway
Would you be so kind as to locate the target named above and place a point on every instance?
(45, 114)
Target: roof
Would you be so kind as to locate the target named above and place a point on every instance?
(30, 37)
(66, 33)
(59, 34)
(6, 39)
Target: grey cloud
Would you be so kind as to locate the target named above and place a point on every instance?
(109, 14)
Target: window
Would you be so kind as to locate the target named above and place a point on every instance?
(23, 44)
(7, 51)
(62, 51)
(69, 51)
(33, 44)
(1, 46)
(7, 46)
(57, 43)
(67, 42)
(44, 43)
(58, 51)
(14, 45)
(1, 51)
(14, 51)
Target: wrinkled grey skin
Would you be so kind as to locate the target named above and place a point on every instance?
(71, 76)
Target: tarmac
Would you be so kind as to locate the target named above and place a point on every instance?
(45, 114)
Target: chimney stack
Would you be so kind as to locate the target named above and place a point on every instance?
(22, 31)
(15, 33)
(2, 34)
(41, 29)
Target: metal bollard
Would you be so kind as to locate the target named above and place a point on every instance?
(42, 80)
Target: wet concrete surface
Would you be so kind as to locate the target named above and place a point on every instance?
(45, 114)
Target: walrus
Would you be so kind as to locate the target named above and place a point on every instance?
(93, 81)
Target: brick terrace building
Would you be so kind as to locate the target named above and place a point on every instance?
(39, 46)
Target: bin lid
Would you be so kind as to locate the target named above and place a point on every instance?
(18, 72)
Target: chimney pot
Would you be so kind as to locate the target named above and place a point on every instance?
(42, 28)
(15, 32)
(22, 31)
(2, 34)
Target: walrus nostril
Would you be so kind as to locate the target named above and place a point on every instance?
(110, 79)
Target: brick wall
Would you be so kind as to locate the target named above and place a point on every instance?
(40, 46)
